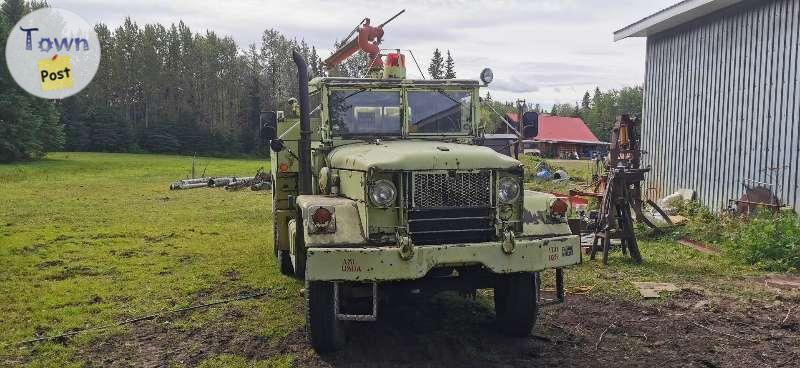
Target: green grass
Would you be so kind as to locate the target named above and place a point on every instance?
(87, 239)
(90, 239)
(664, 261)
(580, 172)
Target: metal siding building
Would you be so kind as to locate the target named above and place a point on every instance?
(722, 98)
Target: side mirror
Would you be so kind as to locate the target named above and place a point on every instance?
(530, 125)
(269, 124)
(276, 145)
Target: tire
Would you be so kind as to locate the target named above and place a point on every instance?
(299, 264)
(515, 303)
(285, 263)
(283, 259)
(326, 333)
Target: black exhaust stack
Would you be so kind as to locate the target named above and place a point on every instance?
(304, 145)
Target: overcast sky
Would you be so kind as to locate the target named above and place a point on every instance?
(546, 51)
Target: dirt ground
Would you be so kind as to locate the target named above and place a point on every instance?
(689, 329)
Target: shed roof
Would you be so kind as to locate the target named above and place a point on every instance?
(562, 129)
(680, 13)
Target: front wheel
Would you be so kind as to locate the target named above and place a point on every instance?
(515, 303)
(326, 332)
(285, 263)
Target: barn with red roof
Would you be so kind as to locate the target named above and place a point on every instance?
(562, 137)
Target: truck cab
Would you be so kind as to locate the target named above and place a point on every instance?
(388, 191)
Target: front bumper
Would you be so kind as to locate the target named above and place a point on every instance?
(370, 264)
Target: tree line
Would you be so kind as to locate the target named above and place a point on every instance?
(168, 89)
(165, 89)
(29, 126)
(600, 110)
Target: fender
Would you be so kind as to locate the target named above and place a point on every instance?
(345, 228)
(536, 220)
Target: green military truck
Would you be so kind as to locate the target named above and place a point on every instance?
(381, 188)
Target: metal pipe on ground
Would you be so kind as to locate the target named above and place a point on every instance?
(193, 181)
(220, 182)
(189, 186)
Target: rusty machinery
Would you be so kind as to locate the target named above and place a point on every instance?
(368, 39)
(619, 190)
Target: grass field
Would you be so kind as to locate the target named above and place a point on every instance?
(90, 239)
(87, 239)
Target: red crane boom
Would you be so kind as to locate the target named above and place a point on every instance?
(368, 40)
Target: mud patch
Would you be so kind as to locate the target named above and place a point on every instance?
(158, 238)
(232, 275)
(584, 332)
(157, 344)
(186, 259)
(62, 237)
(451, 331)
(128, 253)
(70, 272)
(51, 263)
(785, 282)
(109, 236)
(29, 249)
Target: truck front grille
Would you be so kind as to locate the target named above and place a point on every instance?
(450, 225)
(450, 207)
(451, 189)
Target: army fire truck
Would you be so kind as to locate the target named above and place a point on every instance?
(381, 188)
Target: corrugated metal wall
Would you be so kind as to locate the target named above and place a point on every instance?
(722, 103)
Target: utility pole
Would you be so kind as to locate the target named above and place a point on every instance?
(521, 104)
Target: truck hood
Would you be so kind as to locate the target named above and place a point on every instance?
(410, 155)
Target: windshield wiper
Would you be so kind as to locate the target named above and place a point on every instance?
(448, 96)
(354, 93)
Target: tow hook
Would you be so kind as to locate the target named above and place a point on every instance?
(406, 247)
(509, 243)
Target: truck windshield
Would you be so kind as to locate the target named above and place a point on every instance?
(363, 112)
(439, 112)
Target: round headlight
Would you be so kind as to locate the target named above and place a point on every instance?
(487, 76)
(507, 190)
(382, 193)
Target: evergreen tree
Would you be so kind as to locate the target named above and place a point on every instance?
(29, 126)
(251, 141)
(14, 10)
(449, 67)
(586, 103)
(109, 131)
(78, 137)
(436, 68)
(597, 95)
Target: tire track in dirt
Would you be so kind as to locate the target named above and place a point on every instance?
(688, 330)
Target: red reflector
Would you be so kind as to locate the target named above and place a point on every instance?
(321, 216)
(559, 207)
